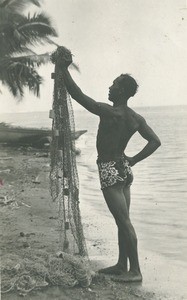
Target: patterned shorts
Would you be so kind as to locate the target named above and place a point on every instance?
(111, 172)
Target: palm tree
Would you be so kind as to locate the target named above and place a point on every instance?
(18, 34)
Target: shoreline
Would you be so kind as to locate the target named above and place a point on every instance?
(159, 275)
(24, 176)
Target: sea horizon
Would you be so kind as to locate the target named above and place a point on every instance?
(82, 109)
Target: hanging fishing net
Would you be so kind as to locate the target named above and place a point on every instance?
(33, 268)
(64, 177)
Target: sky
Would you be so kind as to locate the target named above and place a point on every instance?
(147, 39)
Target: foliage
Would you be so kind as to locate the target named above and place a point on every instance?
(18, 34)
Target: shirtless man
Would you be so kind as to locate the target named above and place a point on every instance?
(117, 125)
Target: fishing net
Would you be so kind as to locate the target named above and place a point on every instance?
(31, 269)
(63, 176)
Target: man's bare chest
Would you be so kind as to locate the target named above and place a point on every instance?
(118, 125)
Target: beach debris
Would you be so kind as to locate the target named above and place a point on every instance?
(53, 218)
(5, 171)
(4, 200)
(38, 154)
(29, 234)
(17, 267)
(36, 180)
(7, 200)
(14, 205)
(27, 205)
(22, 234)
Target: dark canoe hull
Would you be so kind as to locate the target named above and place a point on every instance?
(29, 136)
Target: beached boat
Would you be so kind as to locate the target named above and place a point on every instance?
(28, 136)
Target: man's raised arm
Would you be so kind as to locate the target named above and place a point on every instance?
(79, 96)
(97, 108)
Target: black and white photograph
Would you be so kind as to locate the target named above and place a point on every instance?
(93, 150)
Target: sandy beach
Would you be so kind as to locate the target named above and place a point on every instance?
(29, 220)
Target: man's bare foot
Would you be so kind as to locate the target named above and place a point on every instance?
(114, 270)
(128, 277)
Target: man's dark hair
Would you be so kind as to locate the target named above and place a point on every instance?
(129, 85)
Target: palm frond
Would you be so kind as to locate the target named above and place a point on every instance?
(17, 5)
(10, 41)
(75, 67)
(17, 76)
(36, 27)
(26, 50)
(24, 31)
(49, 41)
(34, 60)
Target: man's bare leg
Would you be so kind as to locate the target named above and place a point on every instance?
(127, 194)
(123, 253)
(117, 204)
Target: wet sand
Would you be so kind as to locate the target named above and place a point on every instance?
(24, 177)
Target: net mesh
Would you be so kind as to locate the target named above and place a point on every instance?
(63, 176)
(33, 269)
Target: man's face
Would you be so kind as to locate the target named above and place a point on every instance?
(115, 90)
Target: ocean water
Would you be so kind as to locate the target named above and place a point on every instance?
(159, 191)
